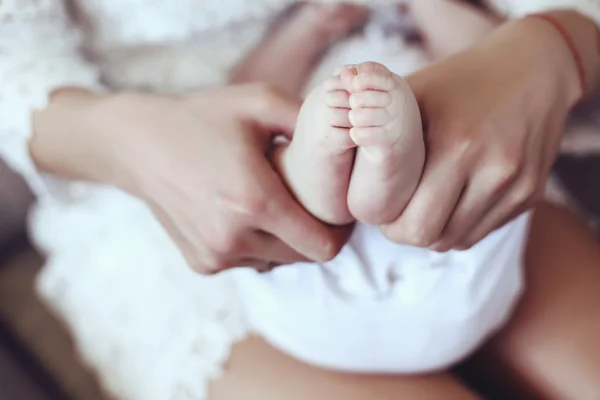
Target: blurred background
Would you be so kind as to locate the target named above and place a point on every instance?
(37, 360)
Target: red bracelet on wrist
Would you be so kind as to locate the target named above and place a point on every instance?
(570, 43)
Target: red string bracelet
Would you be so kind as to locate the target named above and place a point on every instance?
(570, 42)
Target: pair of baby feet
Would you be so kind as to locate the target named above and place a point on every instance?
(358, 149)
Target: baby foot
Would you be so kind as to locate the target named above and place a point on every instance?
(386, 127)
(318, 162)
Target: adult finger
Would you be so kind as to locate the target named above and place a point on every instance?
(286, 219)
(194, 255)
(269, 108)
(184, 245)
(301, 231)
(485, 188)
(255, 263)
(516, 213)
(266, 247)
(520, 196)
(270, 250)
(427, 213)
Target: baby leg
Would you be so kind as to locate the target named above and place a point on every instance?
(450, 26)
(386, 126)
(258, 371)
(317, 163)
(289, 53)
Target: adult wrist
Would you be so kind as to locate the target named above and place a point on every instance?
(67, 140)
(536, 45)
(582, 37)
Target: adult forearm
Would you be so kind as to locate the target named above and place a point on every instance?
(67, 140)
(558, 49)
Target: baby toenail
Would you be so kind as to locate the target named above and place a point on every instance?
(339, 70)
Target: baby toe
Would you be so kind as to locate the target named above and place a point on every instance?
(368, 117)
(370, 99)
(373, 81)
(333, 83)
(370, 66)
(370, 136)
(337, 99)
(339, 118)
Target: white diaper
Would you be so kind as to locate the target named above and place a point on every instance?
(382, 307)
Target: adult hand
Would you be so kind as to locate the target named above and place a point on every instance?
(494, 117)
(200, 162)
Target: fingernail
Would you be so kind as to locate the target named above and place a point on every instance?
(328, 251)
(339, 70)
(351, 67)
(439, 247)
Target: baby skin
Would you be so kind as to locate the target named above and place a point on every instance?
(358, 149)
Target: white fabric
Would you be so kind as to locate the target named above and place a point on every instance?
(382, 307)
(38, 52)
(152, 329)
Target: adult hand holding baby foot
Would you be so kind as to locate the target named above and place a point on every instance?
(199, 161)
(494, 117)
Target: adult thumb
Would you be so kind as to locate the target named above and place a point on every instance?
(269, 108)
